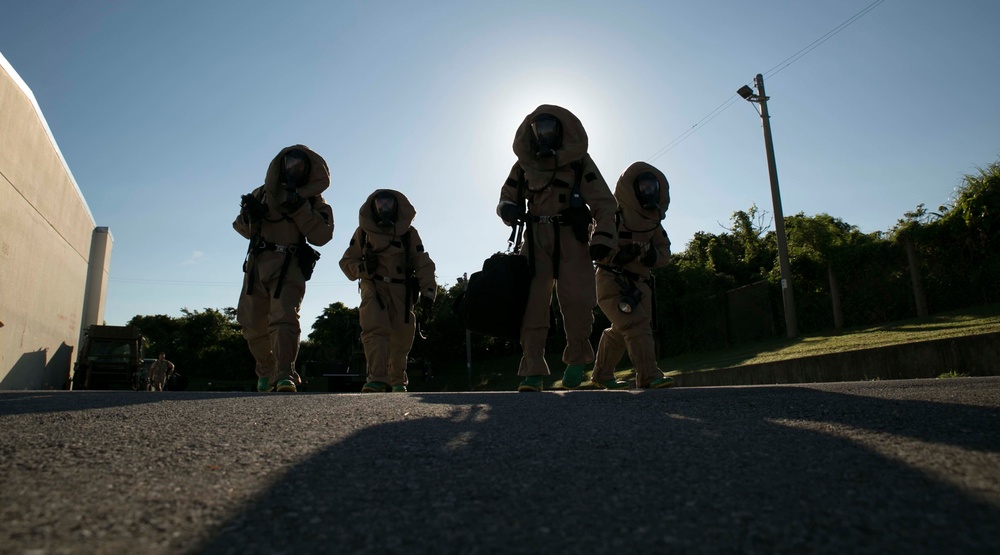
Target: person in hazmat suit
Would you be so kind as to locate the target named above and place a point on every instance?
(281, 218)
(394, 272)
(159, 371)
(624, 286)
(569, 222)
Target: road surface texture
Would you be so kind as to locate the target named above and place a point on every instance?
(910, 466)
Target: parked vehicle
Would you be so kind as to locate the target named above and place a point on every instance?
(111, 358)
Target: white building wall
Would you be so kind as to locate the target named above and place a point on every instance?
(46, 235)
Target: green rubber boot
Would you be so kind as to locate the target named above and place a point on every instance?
(573, 376)
(375, 387)
(611, 384)
(285, 386)
(399, 389)
(530, 383)
(660, 383)
(263, 386)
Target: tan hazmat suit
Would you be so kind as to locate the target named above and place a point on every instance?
(158, 372)
(633, 331)
(269, 316)
(558, 256)
(386, 312)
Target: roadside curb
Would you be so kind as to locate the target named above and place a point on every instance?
(973, 355)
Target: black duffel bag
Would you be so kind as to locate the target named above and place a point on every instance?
(495, 298)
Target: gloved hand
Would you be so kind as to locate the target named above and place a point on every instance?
(650, 258)
(426, 303)
(511, 213)
(251, 209)
(598, 252)
(370, 262)
(626, 254)
(292, 202)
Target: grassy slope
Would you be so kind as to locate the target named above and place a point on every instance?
(970, 321)
(500, 374)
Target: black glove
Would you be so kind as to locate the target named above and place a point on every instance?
(251, 209)
(511, 213)
(292, 202)
(650, 257)
(626, 254)
(598, 252)
(426, 303)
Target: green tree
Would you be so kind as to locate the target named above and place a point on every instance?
(204, 344)
(334, 335)
(161, 333)
(821, 238)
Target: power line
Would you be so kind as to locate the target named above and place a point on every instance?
(234, 284)
(811, 46)
(691, 130)
(785, 63)
(172, 282)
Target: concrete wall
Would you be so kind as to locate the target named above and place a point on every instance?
(972, 355)
(46, 244)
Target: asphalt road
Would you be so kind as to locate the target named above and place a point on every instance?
(865, 467)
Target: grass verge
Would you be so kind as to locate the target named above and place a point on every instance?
(500, 374)
(969, 321)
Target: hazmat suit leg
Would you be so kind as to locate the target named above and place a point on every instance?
(577, 299)
(283, 326)
(609, 353)
(376, 329)
(535, 325)
(402, 336)
(635, 327)
(271, 326)
(251, 314)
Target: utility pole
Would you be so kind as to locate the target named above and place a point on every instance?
(787, 297)
(464, 280)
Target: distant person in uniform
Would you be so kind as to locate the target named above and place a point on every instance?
(281, 218)
(624, 286)
(159, 371)
(388, 258)
(570, 221)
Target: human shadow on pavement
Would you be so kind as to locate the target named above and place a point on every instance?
(40, 402)
(785, 469)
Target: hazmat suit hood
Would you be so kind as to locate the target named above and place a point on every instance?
(634, 216)
(317, 181)
(573, 147)
(405, 212)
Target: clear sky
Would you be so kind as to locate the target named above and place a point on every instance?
(167, 112)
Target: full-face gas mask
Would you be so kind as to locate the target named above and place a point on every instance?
(647, 191)
(546, 134)
(385, 209)
(294, 169)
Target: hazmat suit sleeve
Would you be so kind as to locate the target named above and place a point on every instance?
(422, 265)
(315, 220)
(352, 263)
(602, 205)
(509, 192)
(242, 227)
(660, 243)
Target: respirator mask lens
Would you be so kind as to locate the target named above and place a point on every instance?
(547, 132)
